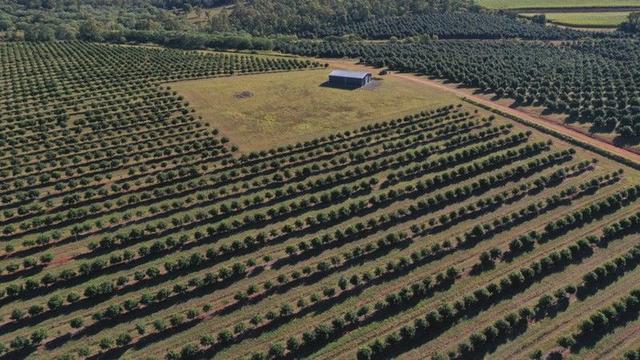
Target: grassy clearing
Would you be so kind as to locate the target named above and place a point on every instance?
(517, 4)
(587, 18)
(284, 108)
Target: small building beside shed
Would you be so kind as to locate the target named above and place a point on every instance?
(349, 79)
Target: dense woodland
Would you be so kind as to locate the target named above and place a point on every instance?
(84, 22)
(262, 17)
(44, 20)
(71, 4)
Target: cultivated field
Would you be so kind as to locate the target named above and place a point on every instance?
(522, 4)
(577, 13)
(132, 229)
(594, 19)
(260, 112)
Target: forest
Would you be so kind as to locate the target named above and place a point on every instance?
(45, 20)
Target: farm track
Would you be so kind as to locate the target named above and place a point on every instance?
(631, 154)
(621, 337)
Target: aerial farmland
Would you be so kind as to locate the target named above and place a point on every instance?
(207, 189)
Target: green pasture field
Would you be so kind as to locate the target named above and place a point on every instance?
(518, 4)
(598, 19)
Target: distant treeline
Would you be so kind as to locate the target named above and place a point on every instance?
(249, 22)
(58, 19)
(165, 4)
(256, 24)
(184, 40)
(632, 24)
(263, 17)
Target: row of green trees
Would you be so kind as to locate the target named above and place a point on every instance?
(468, 306)
(190, 172)
(323, 333)
(135, 235)
(453, 25)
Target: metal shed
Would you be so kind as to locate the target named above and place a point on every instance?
(349, 79)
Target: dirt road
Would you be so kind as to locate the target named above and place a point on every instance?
(631, 154)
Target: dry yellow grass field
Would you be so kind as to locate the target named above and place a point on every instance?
(263, 111)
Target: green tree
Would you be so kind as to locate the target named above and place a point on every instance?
(76, 323)
(89, 31)
(123, 339)
(106, 343)
(6, 23)
(38, 336)
(55, 302)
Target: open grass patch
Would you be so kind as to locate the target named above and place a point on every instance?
(594, 19)
(290, 107)
(588, 18)
(518, 4)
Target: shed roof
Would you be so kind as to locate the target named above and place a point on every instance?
(349, 74)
